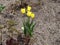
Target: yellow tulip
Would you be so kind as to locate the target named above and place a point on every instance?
(32, 15)
(28, 8)
(23, 10)
(29, 13)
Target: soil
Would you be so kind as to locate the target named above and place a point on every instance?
(47, 18)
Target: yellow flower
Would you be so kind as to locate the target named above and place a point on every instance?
(28, 8)
(23, 10)
(32, 15)
(29, 13)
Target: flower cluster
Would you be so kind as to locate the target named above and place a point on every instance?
(28, 12)
(28, 25)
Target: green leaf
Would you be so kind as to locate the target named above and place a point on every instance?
(24, 28)
(1, 7)
(28, 22)
(32, 26)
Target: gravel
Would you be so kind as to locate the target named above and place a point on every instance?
(47, 18)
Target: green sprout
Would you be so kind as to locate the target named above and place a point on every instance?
(1, 7)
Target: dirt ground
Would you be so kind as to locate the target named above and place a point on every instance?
(47, 18)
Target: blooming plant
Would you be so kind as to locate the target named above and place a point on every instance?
(28, 24)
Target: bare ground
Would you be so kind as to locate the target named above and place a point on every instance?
(47, 18)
